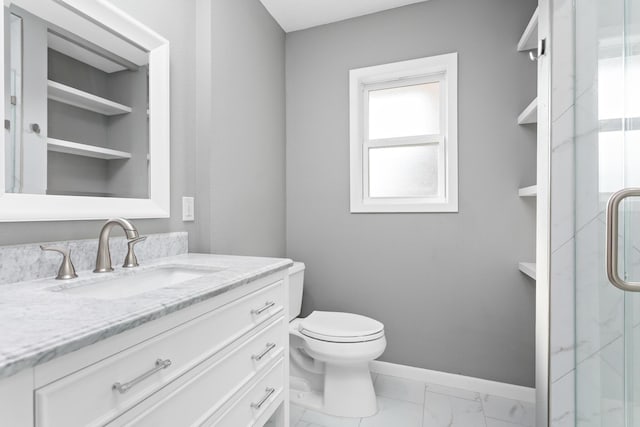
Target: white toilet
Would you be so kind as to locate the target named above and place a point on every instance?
(330, 355)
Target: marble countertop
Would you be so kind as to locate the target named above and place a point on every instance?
(39, 323)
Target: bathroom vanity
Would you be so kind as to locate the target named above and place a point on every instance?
(207, 347)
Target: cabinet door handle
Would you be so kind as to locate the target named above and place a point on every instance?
(266, 397)
(160, 365)
(258, 357)
(264, 308)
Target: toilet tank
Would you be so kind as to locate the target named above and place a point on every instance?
(296, 281)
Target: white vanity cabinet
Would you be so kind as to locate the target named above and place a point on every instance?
(222, 362)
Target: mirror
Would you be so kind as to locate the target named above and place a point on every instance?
(86, 113)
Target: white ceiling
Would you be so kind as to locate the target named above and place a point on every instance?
(295, 15)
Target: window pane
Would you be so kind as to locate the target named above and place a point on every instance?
(406, 171)
(404, 111)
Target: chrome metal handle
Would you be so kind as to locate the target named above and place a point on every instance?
(613, 207)
(266, 397)
(64, 251)
(264, 308)
(66, 271)
(130, 260)
(258, 357)
(160, 365)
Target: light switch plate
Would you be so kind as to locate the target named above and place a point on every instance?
(188, 213)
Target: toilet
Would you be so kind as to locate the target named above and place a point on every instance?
(330, 354)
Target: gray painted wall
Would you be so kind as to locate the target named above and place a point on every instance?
(76, 175)
(446, 286)
(243, 123)
(130, 133)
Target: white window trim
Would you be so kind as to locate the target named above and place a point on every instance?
(443, 68)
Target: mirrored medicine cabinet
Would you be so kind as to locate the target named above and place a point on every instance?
(86, 113)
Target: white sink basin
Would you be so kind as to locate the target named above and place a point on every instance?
(137, 283)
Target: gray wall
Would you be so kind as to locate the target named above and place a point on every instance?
(446, 286)
(243, 122)
(130, 133)
(76, 175)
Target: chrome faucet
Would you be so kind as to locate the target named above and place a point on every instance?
(103, 260)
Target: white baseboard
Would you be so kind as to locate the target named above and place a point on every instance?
(479, 385)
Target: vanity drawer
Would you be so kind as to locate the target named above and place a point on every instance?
(201, 392)
(255, 404)
(90, 396)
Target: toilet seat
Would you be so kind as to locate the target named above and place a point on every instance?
(340, 327)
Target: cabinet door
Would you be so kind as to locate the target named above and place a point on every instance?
(16, 400)
(114, 385)
(257, 404)
(205, 389)
(28, 152)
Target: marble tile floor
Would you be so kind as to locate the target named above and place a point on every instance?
(407, 403)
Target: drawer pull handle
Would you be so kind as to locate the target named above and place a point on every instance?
(264, 308)
(266, 397)
(160, 365)
(258, 357)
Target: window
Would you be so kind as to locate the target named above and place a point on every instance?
(403, 142)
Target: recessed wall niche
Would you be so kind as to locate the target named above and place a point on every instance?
(113, 161)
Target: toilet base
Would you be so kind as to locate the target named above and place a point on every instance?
(348, 392)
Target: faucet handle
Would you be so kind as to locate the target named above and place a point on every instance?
(67, 270)
(131, 260)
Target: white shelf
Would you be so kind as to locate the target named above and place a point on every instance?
(531, 191)
(68, 147)
(81, 53)
(529, 38)
(528, 268)
(85, 100)
(530, 114)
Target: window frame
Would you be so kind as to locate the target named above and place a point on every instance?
(440, 68)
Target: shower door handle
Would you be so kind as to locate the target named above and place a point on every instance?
(613, 207)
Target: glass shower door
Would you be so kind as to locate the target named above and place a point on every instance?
(607, 162)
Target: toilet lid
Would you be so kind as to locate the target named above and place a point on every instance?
(341, 327)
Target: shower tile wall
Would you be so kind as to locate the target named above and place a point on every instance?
(600, 308)
(561, 367)
(587, 313)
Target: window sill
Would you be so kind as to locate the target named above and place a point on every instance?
(359, 207)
